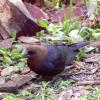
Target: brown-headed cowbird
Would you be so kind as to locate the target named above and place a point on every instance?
(49, 59)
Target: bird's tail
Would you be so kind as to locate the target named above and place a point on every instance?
(79, 45)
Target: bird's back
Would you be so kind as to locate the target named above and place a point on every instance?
(55, 61)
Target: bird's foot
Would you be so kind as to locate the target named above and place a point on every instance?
(47, 78)
(43, 78)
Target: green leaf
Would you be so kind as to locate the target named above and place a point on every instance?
(20, 66)
(40, 34)
(96, 36)
(88, 49)
(66, 26)
(75, 36)
(2, 52)
(80, 55)
(37, 97)
(16, 55)
(83, 98)
(13, 34)
(25, 93)
(7, 60)
(71, 8)
(43, 23)
(10, 97)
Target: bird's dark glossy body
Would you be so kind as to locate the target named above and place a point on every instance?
(49, 60)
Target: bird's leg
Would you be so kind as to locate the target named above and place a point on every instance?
(47, 78)
(43, 78)
(65, 77)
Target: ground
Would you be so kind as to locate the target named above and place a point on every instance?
(79, 81)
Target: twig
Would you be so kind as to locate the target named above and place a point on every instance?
(95, 82)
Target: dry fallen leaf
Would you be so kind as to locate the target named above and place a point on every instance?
(7, 71)
(78, 64)
(25, 70)
(93, 58)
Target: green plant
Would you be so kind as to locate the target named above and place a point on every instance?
(55, 2)
(45, 93)
(80, 55)
(20, 96)
(97, 94)
(59, 32)
(12, 57)
(11, 97)
(43, 23)
(62, 84)
(83, 98)
(24, 93)
(67, 83)
(71, 8)
(13, 34)
(93, 96)
(89, 33)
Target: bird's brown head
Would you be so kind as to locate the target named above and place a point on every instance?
(35, 50)
(35, 54)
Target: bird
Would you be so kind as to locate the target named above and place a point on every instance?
(51, 59)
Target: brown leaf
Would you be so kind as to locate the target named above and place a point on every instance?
(25, 70)
(93, 58)
(95, 44)
(32, 88)
(23, 79)
(78, 64)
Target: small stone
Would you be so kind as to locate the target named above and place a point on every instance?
(14, 76)
(64, 96)
(2, 80)
(29, 40)
(7, 71)
(25, 70)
